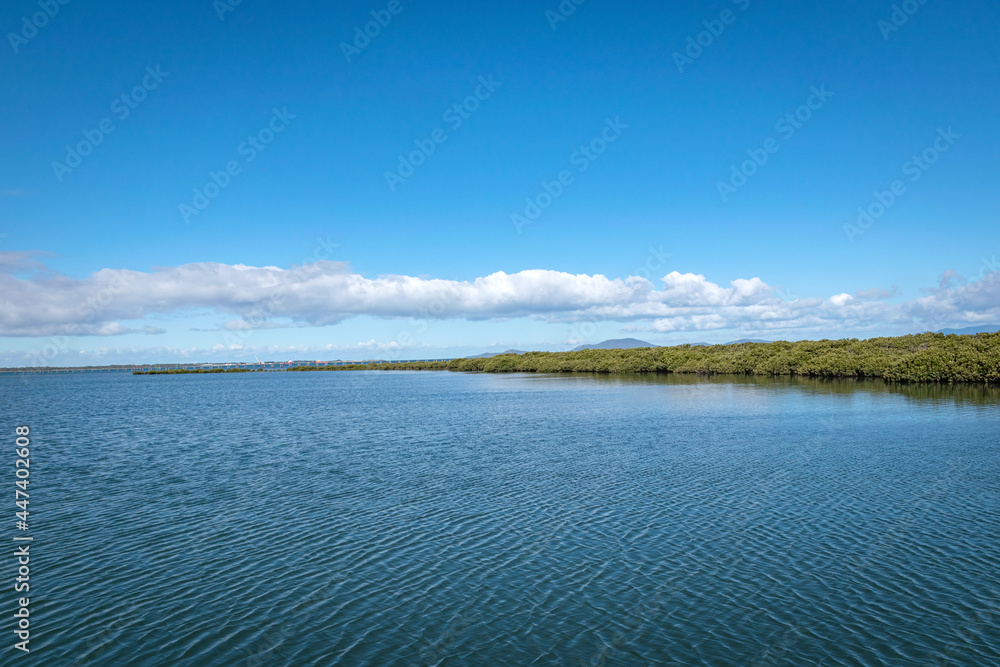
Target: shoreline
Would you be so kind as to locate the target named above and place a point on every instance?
(928, 357)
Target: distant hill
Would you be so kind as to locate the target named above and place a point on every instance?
(615, 344)
(968, 331)
(490, 355)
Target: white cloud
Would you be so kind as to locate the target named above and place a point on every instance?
(841, 299)
(37, 302)
(877, 294)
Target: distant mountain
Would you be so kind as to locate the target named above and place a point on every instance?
(615, 344)
(968, 331)
(487, 355)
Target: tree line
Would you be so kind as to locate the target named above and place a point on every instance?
(927, 357)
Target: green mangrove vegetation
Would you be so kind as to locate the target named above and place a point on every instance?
(927, 357)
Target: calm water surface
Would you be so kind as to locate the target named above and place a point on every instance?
(441, 518)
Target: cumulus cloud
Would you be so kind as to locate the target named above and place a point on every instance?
(877, 294)
(35, 302)
(20, 261)
(947, 281)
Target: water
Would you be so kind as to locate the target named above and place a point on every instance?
(441, 518)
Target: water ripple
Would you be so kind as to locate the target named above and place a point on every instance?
(435, 519)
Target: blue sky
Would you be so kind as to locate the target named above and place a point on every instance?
(619, 99)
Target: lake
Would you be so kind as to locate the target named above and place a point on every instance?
(405, 518)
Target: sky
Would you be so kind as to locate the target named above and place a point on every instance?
(227, 180)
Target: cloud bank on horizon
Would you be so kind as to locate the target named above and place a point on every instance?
(37, 302)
